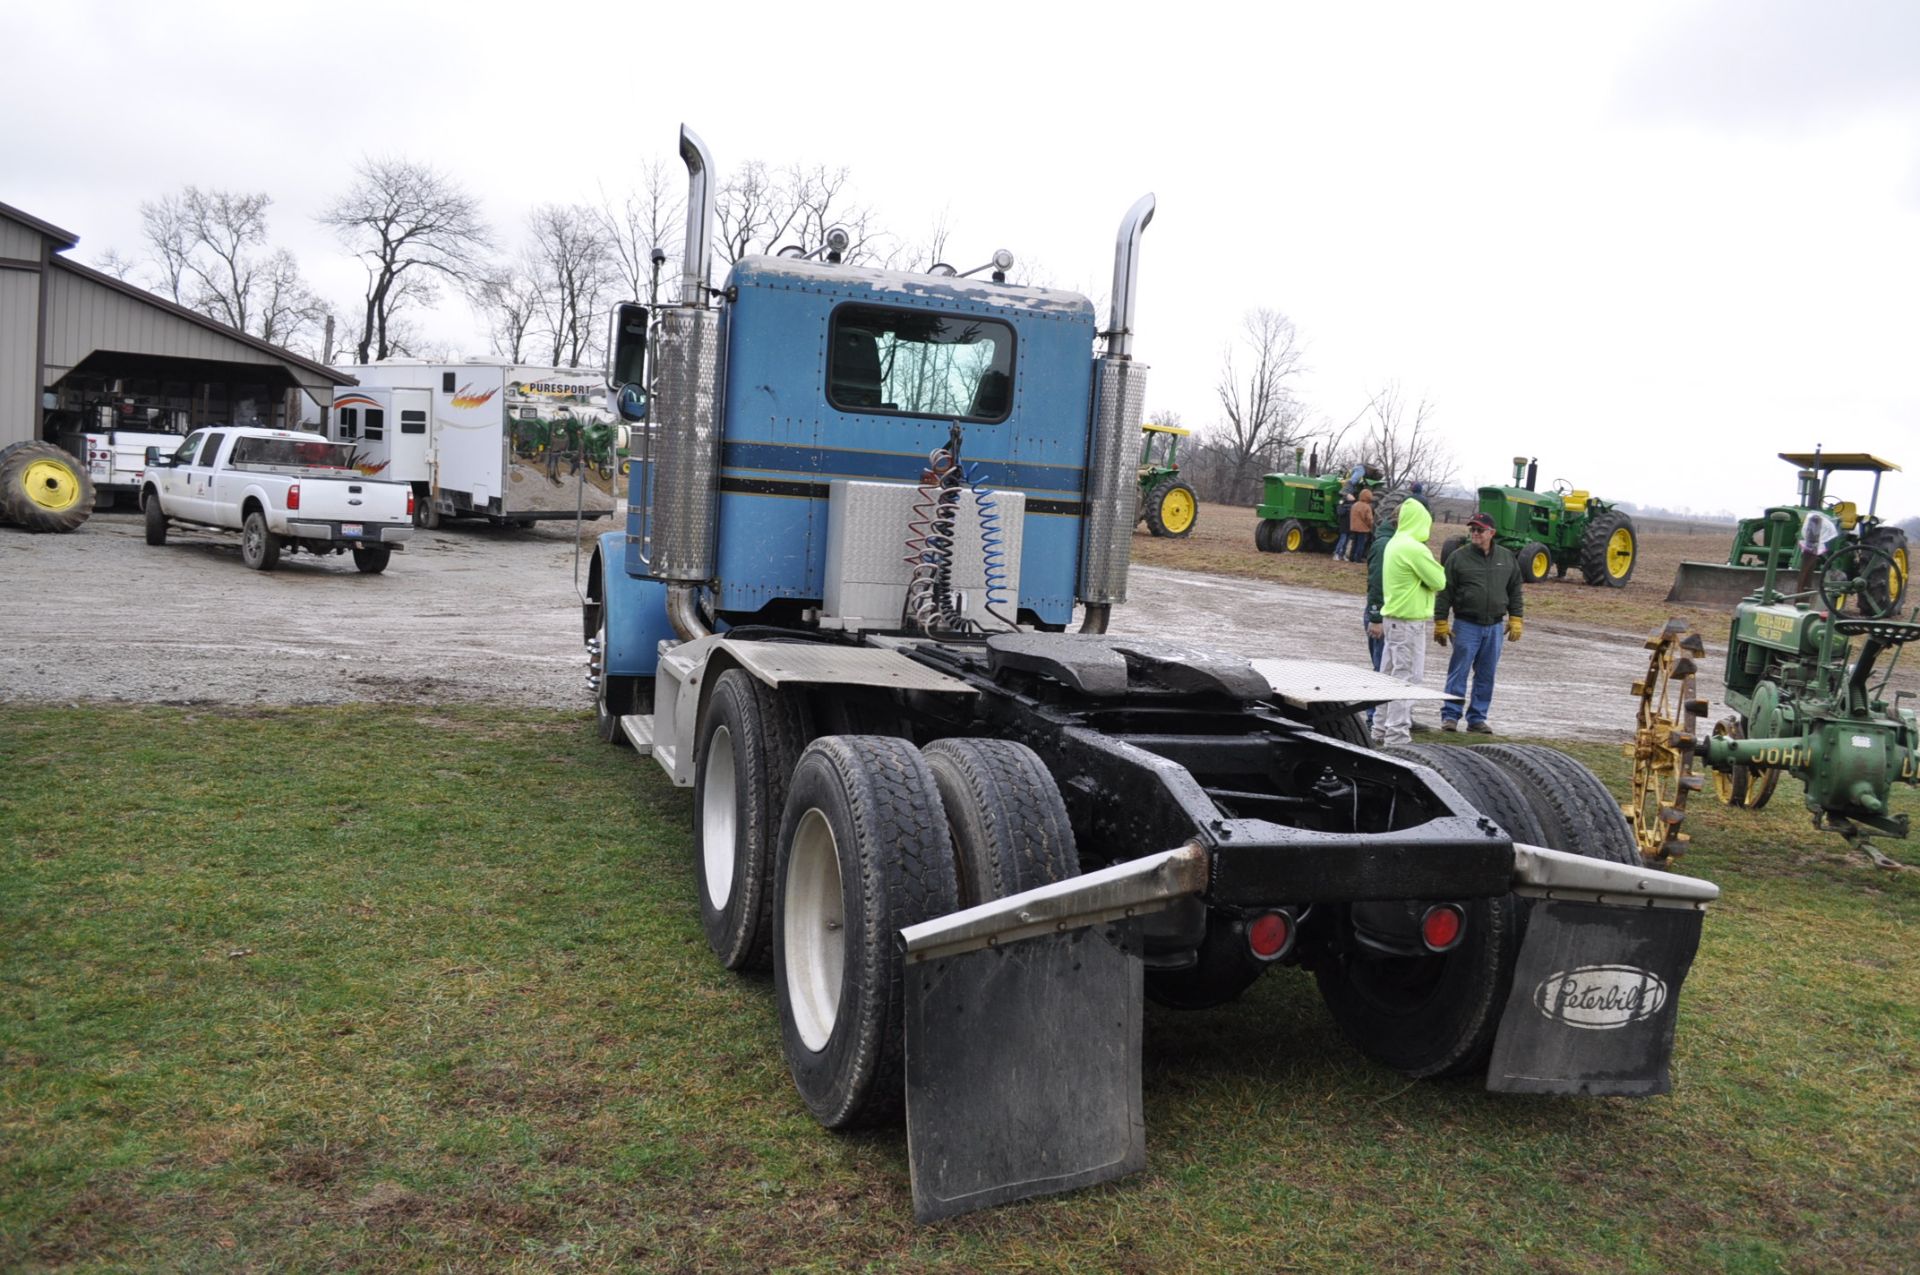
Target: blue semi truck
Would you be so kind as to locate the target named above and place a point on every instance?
(972, 838)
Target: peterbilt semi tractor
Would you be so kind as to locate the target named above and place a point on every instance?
(876, 533)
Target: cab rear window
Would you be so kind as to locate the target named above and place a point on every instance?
(915, 363)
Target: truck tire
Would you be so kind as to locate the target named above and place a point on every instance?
(1172, 509)
(1535, 561)
(615, 696)
(1576, 812)
(156, 521)
(259, 548)
(751, 736)
(1437, 1015)
(864, 852)
(1609, 550)
(1009, 826)
(1348, 728)
(43, 487)
(372, 559)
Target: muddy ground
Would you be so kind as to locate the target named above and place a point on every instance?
(475, 614)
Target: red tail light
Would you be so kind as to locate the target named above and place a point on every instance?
(1270, 935)
(1443, 926)
(409, 502)
(293, 496)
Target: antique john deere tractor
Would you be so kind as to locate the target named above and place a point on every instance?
(1804, 703)
(1774, 538)
(1558, 529)
(1167, 504)
(1302, 511)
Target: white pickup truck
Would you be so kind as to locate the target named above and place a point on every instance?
(281, 490)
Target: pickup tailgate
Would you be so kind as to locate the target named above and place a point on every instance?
(351, 500)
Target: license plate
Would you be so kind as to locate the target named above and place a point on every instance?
(352, 529)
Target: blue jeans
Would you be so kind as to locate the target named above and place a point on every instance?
(1375, 646)
(1476, 650)
(1340, 545)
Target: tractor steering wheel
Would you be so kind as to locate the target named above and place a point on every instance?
(1865, 574)
(1561, 487)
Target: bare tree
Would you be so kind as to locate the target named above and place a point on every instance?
(509, 299)
(1263, 418)
(1401, 440)
(114, 262)
(413, 228)
(572, 264)
(759, 209)
(210, 248)
(652, 216)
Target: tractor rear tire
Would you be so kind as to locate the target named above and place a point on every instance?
(1010, 827)
(1289, 537)
(1610, 550)
(1576, 812)
(1322, 539)
(1886, 578)
(1172, 509)
(43, 487)
(751, 737)
(1535, 561)
(1448, 545)
(864, 852)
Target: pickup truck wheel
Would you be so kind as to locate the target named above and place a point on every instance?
(1009, 826)
(751, 736)
(864, 851)
(259, 548)
(372, 559)
(1434, 1014)
(156, 521)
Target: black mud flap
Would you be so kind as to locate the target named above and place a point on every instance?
(1023, 1070)
(1595, 993)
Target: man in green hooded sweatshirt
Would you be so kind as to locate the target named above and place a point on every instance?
(1409, 579)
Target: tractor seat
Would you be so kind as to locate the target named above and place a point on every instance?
(1892, 631)
(1575, 502)
(1846, 513)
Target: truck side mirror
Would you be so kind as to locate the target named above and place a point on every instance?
(626, 346)
(153, 457)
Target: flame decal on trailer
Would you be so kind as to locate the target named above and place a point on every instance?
(356, 400)
(465, 397)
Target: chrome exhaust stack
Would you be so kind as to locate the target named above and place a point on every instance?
(685, 492)
(1119, 398)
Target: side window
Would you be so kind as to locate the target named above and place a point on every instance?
(183, 454)
(209, 448)
(920, 363)
(376, 424)
(446, 382)
(413, 421)
(349, 423)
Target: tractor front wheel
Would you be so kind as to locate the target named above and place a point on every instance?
(1289, 537)
(1263, 535)
(1609, 550)
(1172, 509)
(1535, 562)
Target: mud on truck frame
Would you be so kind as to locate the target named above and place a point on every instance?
(971, 842)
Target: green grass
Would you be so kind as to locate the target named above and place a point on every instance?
(371, 988)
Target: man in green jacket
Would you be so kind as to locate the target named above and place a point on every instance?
(1482, 595)
(1409, 581)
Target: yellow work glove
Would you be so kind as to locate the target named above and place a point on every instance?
(1442, 630)
(1513, 628)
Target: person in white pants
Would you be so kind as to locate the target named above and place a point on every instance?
(1409, 580)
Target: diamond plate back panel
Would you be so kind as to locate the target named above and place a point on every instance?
(866, 577)
(686, 455)
(1113, 485)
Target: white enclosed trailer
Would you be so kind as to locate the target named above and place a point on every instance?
(484, 438)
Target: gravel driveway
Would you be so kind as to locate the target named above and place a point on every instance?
(476, 614)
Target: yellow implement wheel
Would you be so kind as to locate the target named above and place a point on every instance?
(1663, 743)
(43, 488)
(1748, 787)
(1620, 553)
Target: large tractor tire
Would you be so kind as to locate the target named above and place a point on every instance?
(1009, 826)
(1289, 536)
(751, 737)
(1609, 550)
(1886, 577)
(1322, 539)
(1535, 561)
(864, 852)
(43, 488)
(1437, 1014)
(1172, 509)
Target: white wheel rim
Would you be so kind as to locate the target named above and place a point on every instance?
(718, 807)
(815, 946)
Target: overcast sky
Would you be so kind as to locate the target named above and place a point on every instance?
(1651, 243)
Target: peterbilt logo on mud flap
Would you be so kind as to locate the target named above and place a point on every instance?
(1601, 997)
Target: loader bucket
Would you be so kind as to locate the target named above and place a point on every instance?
(1714, 583)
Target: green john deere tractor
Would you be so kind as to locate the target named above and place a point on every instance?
(1302, 511)
(1558, 529)
(1773, 539)
(1167, 504)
